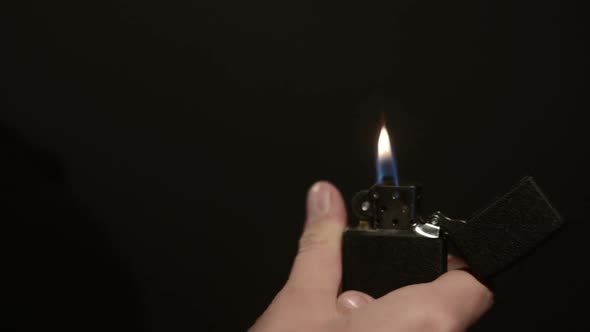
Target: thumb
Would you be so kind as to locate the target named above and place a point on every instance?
(317, 268)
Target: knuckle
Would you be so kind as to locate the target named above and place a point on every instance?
(311, 240)
(435, 318)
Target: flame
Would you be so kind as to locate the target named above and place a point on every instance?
(384, 145)
(386, 165)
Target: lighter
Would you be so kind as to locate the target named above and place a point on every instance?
(391, 245)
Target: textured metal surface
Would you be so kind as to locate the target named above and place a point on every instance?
(379, 261)
(509, 228)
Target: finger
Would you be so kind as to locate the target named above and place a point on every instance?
(351, 300)
(465, 298)
(453, 302)
(455, 263)
(317, 267)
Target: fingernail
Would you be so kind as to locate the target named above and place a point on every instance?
(353, 301)
(318, 201)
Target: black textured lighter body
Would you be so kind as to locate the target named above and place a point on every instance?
(390, 246)
(377, 261)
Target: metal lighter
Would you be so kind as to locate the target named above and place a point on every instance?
(390, 244)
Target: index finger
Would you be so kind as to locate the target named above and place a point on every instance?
(453, 302)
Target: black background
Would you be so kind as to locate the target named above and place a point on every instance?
(157, 154)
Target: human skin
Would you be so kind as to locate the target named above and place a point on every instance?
(311, 301)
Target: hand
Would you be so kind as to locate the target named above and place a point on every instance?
(309, 301)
